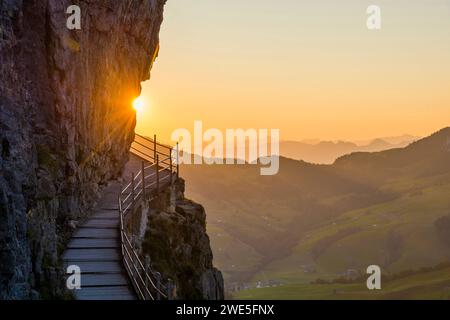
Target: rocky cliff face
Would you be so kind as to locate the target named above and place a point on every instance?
(177, 226)
(66, 122)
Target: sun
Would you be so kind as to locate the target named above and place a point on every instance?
(139, 104)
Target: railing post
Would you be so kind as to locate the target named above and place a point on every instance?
(147, 271)
(132, 202)
(169, 289)
(143, 180)
(121, 221)
(178, 160)
(158, 285)
(135, 267)
(154, 148)
(157, 174)
(171, 167)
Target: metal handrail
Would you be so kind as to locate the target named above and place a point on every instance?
(141, 144)
(150, 145)
(126, 198)
(154, 140)
(128, 185)
(141, 265)
(150, 175)
(137, 175)
(136, 191)
(140, 153)
(129, 269)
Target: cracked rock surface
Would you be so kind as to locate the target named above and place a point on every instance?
(66, 123)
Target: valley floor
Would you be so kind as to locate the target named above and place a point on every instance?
(430, 285)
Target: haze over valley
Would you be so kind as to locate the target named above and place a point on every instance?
(326, 152)
(314, 222)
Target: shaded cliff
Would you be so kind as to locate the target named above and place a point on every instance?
(66, 123)
(177, 226)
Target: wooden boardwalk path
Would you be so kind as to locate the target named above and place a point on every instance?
(96, 246)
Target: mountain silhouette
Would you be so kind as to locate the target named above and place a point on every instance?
(365, 208)
(326, 152)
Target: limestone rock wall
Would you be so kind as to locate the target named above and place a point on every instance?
(179, 248)
(66, 123)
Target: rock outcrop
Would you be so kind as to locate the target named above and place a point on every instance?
(66, 123)
(179, 248)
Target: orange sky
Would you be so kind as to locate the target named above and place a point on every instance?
(312, 70)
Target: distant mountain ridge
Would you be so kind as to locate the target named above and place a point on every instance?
(365, 208)
(326, 152)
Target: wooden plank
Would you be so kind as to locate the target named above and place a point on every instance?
(96, 266)
(109, 206)
(96, 233)
(95, 247)
(107, 279)
(79, 243)
(110, 197)
(105, 293)
(106, 214)
(101, 223)
(91, 255)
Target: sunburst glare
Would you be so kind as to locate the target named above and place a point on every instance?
(140, 104)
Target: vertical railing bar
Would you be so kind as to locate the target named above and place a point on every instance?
(169, 289)
(147, 269)
(171, 161)
(178, 160)
(154, 147)
(121, 221)
(158, 285)
(171, 168)
(143, 180)
(132, 203)
(157, 174)
(135, 269)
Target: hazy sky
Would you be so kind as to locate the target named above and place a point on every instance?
(310, 68)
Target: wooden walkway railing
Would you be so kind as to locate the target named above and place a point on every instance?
(158, 171)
